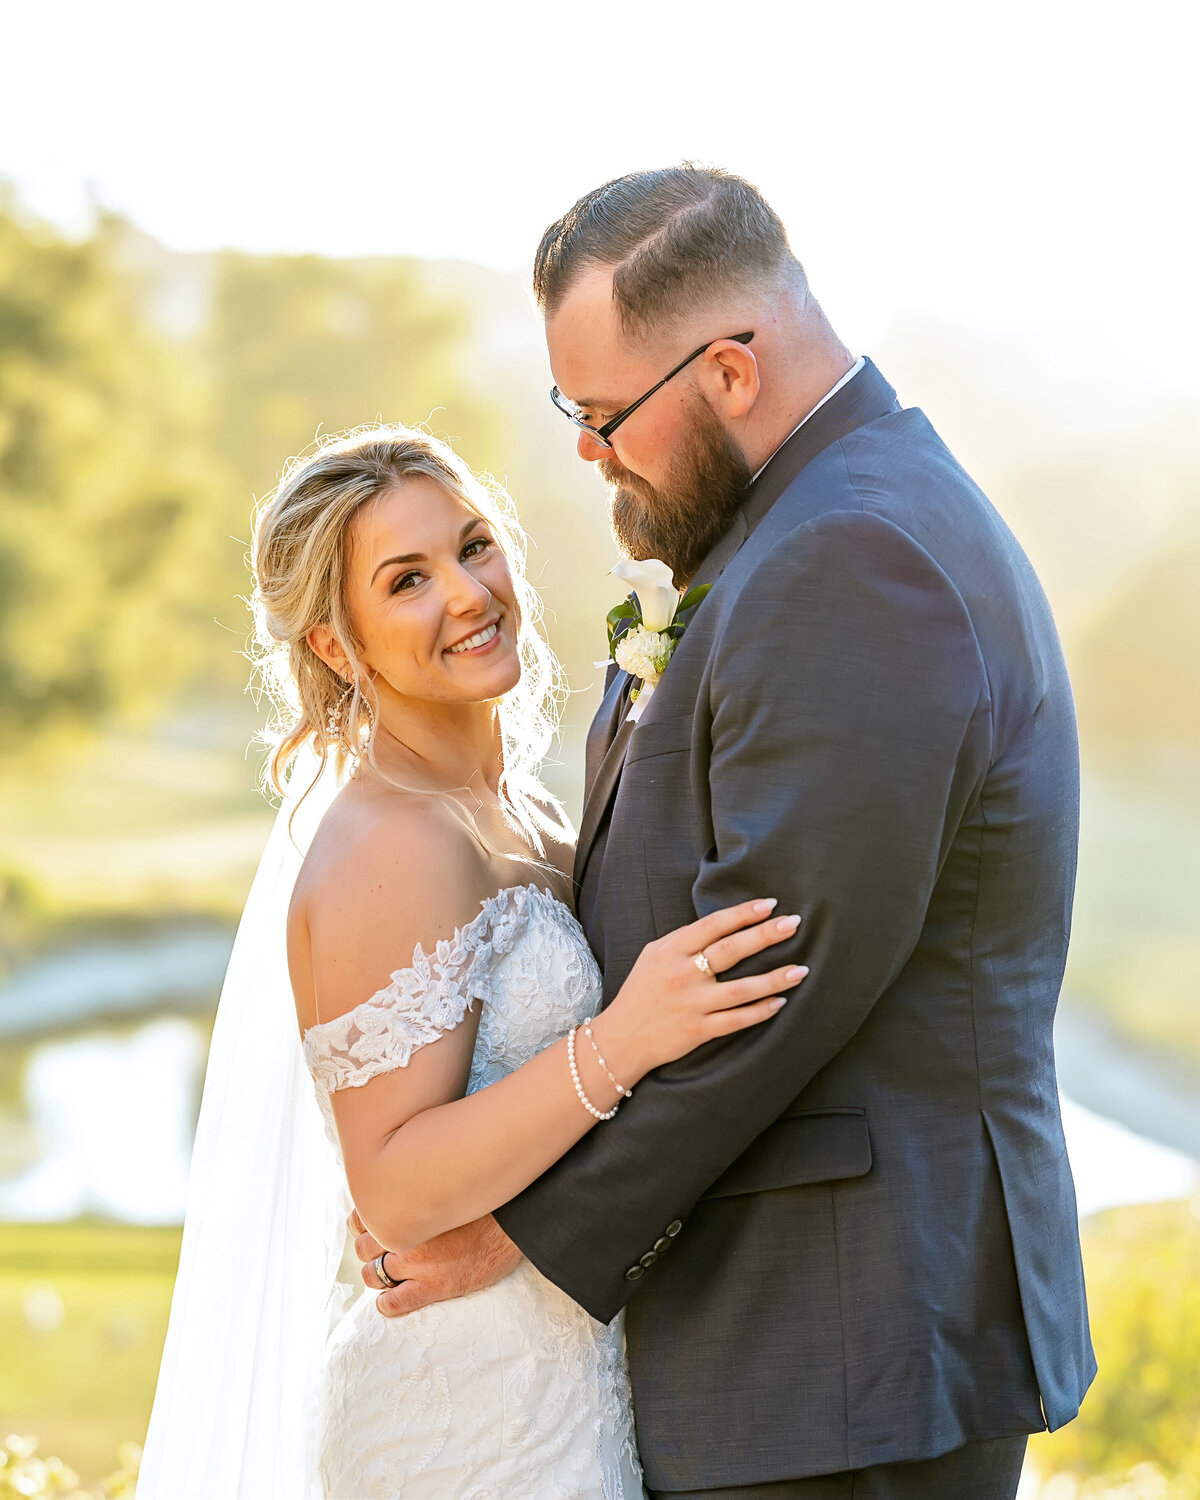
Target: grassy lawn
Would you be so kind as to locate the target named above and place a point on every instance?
(130, 827)
(83, 1314)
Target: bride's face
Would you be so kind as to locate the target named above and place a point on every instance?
(430, 594)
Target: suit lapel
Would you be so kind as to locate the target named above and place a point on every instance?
(866, 398)
(604, 726)
(608, 773)
(723, 550)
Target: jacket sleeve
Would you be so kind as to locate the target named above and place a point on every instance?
(850, 730)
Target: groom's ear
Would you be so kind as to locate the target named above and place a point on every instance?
(729, 372)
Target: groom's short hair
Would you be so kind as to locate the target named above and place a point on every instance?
(677, 238)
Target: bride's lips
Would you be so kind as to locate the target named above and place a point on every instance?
(487, 646)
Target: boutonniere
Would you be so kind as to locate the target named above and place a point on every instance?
(644, 631)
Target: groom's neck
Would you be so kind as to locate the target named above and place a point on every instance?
(801, 360)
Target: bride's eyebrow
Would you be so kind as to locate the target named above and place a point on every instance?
(416, 557)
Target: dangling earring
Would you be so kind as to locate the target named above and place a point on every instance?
(333, 725)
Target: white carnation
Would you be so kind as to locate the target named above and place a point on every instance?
(644, 653)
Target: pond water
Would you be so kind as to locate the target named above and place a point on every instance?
(111, 1121)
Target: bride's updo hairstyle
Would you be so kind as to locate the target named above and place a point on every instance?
(299, 564)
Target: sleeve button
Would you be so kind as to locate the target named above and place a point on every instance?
(674, 1227)
(661, 1245)
(634, 1273)
(648, 1259)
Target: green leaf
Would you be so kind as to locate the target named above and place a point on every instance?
(626, 611)
(693, 597)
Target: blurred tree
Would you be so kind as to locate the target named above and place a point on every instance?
(131, 452)
(103, 542)
(300, 346)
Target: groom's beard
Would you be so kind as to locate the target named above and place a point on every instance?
(680, 521)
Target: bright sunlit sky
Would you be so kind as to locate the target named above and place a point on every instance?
(1022, 168)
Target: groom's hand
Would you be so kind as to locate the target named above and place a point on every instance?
(460, 1261)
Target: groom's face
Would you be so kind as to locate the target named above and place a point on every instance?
(675, 474)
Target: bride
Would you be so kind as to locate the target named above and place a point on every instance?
(447, 1003)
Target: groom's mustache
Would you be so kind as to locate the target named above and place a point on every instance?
(617, 477)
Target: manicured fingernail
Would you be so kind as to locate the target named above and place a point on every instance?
(779, 1002)
(793, 976)
(788, 924)
(766, 906)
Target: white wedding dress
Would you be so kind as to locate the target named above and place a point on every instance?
(514, 1392)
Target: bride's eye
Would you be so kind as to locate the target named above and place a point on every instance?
(400, 584)
(480, 543)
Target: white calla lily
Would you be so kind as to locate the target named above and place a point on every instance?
(654, 585)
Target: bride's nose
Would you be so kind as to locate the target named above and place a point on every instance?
(466, 595)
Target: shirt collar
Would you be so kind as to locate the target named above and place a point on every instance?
(858, 364)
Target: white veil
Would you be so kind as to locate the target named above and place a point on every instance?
(233, 1414)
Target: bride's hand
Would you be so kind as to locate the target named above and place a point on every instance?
(672, 1001)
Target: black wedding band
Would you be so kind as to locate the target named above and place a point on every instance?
(382, 1274)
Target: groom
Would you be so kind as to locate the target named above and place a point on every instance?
(846, 1240)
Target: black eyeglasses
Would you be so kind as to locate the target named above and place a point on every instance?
(602, 434)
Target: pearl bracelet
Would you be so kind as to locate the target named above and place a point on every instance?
(583, 1098)
(620, 1087)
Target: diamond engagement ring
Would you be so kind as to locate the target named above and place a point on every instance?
(702, 963)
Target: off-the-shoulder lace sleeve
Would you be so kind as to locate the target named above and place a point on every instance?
(420, 1004)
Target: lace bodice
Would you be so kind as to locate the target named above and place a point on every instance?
(513, 1390)
(524, 959)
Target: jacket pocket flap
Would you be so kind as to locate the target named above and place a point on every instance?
(660, 737)
(796, 1149)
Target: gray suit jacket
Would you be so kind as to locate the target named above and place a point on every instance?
(847, 1236)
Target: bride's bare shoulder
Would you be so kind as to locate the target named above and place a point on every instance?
(394, 846)
(383, 874)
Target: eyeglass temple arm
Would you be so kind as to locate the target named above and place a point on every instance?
(614, 422)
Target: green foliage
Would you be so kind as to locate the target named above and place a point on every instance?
(102, 533)
(130, 458)
(1143, 1279)
(83, 1314)
(299, 345)
(1144, 1481)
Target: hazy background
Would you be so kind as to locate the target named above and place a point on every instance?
(224, 231)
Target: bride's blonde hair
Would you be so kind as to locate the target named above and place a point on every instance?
(299, 564)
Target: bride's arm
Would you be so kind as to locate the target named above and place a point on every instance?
(421, 1158)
